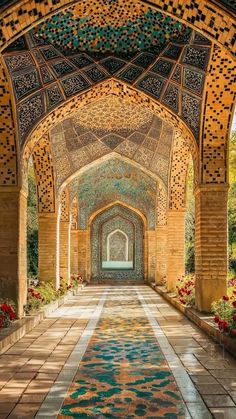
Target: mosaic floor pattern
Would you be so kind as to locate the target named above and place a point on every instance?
(123, 372)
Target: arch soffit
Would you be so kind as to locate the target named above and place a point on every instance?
(101, 91)
(216, 15)
(117, 203)
(73, 178)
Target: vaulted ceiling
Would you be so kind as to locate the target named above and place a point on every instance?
(77, 142)
(43, 78)
(115, 180)
(113, 26)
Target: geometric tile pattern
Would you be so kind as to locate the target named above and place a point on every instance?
(53, 96)
(148, 72)
(162, 205)
(29, 112)
(171, 97)
(219, 101)
(8, 147)
(127, 183)
(44, 174)
(179, 168)
(74, 145)
(26, 82)
(65, 206)
(191, 112)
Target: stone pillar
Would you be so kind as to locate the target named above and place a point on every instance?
(175, 246)
(65, 250)
(151, 242)
(83, 254)
(13, 246)
(74, 251)
(210, 244)
(48, 246)
(161, 253)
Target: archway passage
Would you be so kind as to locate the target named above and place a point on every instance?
(117, 245)
(171, 61)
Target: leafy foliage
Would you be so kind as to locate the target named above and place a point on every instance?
(190, 216)
(225, 310)
(190, 223)
(7, 313)
(32, 225)
(186, 290)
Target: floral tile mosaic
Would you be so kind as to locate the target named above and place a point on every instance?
(123, 372)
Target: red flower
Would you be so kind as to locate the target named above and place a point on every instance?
(234, 317)
(225, 298)
(216, 319)
(224, 324)
(234, 304)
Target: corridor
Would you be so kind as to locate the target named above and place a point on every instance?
(113, 352)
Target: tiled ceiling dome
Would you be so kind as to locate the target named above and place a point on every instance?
(115, 26)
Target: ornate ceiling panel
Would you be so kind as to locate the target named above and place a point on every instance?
(75, 145)
(113, 114)
(116, 180)
(110, 26)
(43, 78)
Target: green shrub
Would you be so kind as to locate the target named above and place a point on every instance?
(48, 292)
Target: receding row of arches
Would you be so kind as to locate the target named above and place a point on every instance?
(83, 172)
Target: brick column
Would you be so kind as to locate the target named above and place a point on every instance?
(161, 252)
(175, 246)
(74, 251)
(210, 244)
(83, 256)
(13, 254)
(151, 243)
(48, 246)
(65, 249)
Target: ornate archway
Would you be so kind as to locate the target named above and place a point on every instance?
(106, 264)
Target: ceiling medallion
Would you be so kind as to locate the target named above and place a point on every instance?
(112, 114)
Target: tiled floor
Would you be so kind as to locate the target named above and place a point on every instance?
(117, 352)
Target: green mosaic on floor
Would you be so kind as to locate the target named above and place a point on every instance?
(123, 372)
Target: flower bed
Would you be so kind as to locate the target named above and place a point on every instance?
(7, 313)
(186, 290)
(225, 310)
(45, 293)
